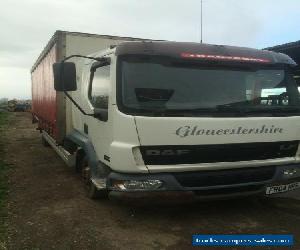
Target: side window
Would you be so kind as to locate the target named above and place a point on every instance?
(99, 87)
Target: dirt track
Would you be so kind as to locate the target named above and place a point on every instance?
(48, 208)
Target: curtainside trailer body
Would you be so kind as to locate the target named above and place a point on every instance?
(49, 107)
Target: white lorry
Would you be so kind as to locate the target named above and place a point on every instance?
(154, 116)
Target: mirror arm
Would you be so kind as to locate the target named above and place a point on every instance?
(76, 104)
(66, 93)
(99, 59)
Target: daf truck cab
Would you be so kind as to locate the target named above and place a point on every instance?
(219, 121)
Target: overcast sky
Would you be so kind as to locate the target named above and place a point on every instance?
(26, 26)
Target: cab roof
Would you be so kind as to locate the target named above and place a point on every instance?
(200, 51)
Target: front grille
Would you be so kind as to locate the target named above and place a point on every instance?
(225, 177)
(226, 191)
(191, 154)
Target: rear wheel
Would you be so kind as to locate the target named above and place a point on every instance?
(90, 188)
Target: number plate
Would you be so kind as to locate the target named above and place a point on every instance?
(282, 188)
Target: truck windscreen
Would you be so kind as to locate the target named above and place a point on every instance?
(163, 86)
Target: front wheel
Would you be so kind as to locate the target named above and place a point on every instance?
(90, 188)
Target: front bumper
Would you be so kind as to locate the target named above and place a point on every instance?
(213, 183)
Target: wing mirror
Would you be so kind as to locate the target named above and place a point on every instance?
(64, 76)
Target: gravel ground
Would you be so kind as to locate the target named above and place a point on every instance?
(48, 208)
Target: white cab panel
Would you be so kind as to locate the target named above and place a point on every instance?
(201, 131)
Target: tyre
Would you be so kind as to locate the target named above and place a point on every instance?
(90, 189)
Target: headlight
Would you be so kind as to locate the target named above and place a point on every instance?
(136, 185)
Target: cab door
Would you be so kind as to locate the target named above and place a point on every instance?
(99, 127)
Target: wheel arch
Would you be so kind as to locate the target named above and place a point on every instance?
(86, 148)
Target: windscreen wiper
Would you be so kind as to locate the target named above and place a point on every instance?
(179, 112)
(231, 108)
(263, 110)
(234, 104)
